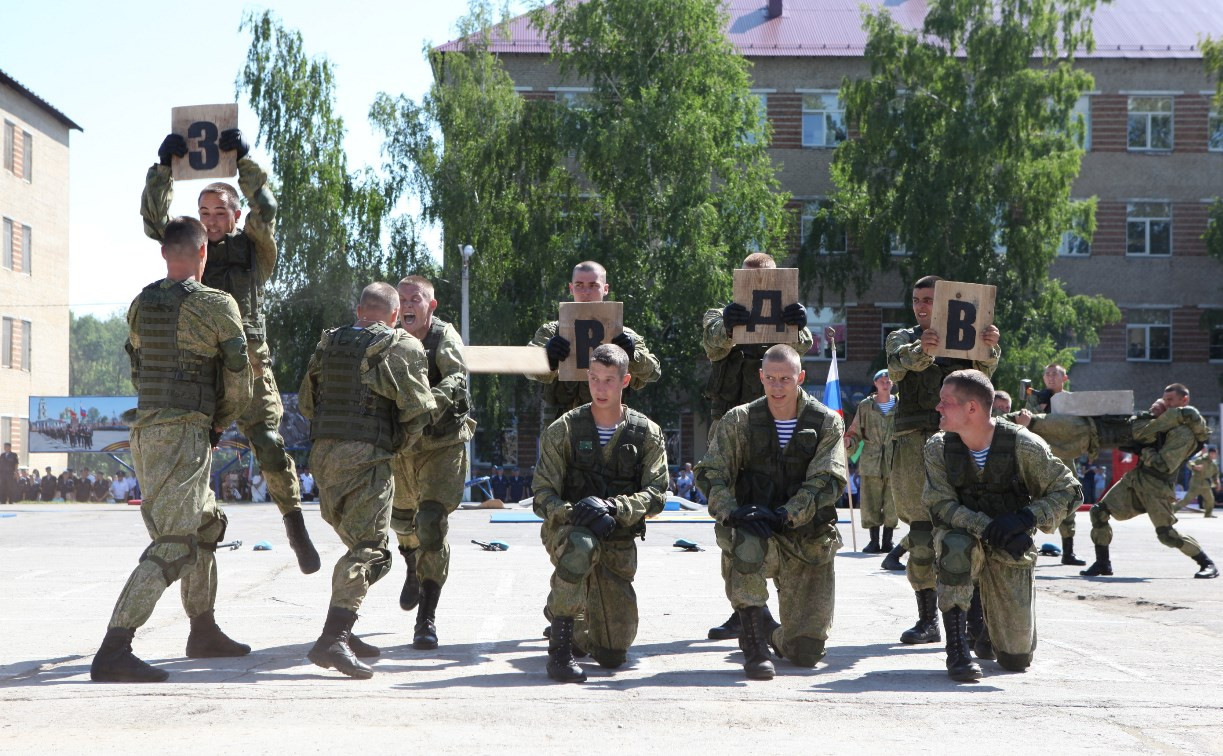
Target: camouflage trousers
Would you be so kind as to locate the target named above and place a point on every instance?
(592, 581)
(260, 423)
(173, 462)
(1008, 589)
(357, 504)
(1199, 487)
(802, 566)
(1135, 494)
(875, 502)
(428, 487)
(907, 481)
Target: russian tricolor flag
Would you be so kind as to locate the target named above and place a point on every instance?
(832, 389)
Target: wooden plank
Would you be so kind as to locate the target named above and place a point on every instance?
(585, 325)
(961, 312)
(523, 360)
(765, 293)
(1092, 403)
(201, 126)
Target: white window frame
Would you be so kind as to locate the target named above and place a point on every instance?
(1214, 131)
(1071, 240)
(6, 229)
(27, 157)
(810, 208)
(1147, 117)
(1082, 107)
(27, 339)
(27, 249)
(886, 326)
(6, 341)
(834, 117)
(762, 112)
(1147, 218)
(897, 247)
(817, 320)
(1147, 328)
(10, 143)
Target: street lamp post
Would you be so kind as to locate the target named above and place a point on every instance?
(466, 251)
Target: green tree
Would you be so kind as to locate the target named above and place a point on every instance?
(965, 153)
(99, 364)
(1212, 58)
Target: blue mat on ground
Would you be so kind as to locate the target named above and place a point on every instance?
(7, 514)
(510, 517)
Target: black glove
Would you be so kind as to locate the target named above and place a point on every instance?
(753, 519)
(734, 314)
(994, 534)
(779, 520)
(1018, 544)
(1016, 522)
(587, 511)
(172, 146)
(558, 351)
(214, 437)
(231, 139)
(794, 314)
(602, 527)
(625, 342)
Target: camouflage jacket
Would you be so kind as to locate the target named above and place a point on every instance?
(874, 429)
(717, 344)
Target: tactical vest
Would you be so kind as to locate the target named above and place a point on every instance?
(735, 380)
(999, 490)
(589, 475)
(771, 475)
(919, 392)
(232, 268)
(345, 408)
(169, 377)
(457, 412)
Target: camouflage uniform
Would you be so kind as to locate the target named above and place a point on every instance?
(1169, 441)
(1202, 482)
(592, 580)
(1019, 473)
(241, 265)
(744, 465)
(1042, 402)
(561, 396)
(874, 428)
(358, 424)
(207, 383)
(918, 378)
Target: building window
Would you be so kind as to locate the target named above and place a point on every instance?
(1148, 228)
(1216, 342)
(26, 249)
(762, 116)
(1073, 243)
(7, 232)
(27, 157)
(1082, 109)
(897, 247)
(1148, 335)
(819, 318)
(894, 318)
(10, 133)
(1150, 123)
(1214, 132)
(823, 120)
(833, 239)
(6, 342)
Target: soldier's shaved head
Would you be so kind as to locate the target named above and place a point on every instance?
(421, 282)
(183, 237)
(379, 300)
(784, 353)
(972, 385)
(590, 266)
(611, 355)
(759, 261)
(227, 193)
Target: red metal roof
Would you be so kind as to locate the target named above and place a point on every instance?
(808, 28)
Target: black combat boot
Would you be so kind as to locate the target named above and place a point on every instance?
(331, 650)
(728, 629)
(1208, 567)
(115, 661)
(873, 546)
(978, 630)
(960, 666)
(206, 641)
(926, 629)
(892, 560)
(425, 637)
(754, 642)
(360, 648)
(887, 539)
(561, 666)
(299, 540)
(409, 597)
(1068, 556)
(1102, 565)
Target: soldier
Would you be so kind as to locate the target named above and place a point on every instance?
(1055, 378)
(429, 477)
(8, 474)
(190, 370)
(48, 485)
(1002, 403)
(1203, 482)
(1175, 434)
(773, 474)
(989, 485)
(589, 284)
(919, 377)
(872, 424)
(367, 391)
(602, 470)
(734, 379)
(240, 261)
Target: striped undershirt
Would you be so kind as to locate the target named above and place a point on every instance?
(979, 457)
(785, 429)
(605, 434)
(886, 407)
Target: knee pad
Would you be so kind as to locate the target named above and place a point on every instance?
(269, 449)
(609, 658)
(921, 543)
(1168, 536)
(173, 554)
(955, 563)
(432, 525)
(1013, 662)
(375, 558)
(1098, 515)
(576, 556)
(213, 530)
(805, 651)
(748, 552)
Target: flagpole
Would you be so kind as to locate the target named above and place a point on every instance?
(831, 336)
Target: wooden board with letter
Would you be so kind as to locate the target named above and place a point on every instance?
(765, 292)
(586, 325)
(201, 126)
(961, 312)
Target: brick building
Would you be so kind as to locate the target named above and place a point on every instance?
(34, 266)
(1154, 160)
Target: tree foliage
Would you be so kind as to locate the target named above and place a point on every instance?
(1212, 58)
(99, 364)
(965, 153)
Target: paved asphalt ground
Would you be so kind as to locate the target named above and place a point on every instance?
(1127, 664)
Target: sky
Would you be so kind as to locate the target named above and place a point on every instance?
(117, 69)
